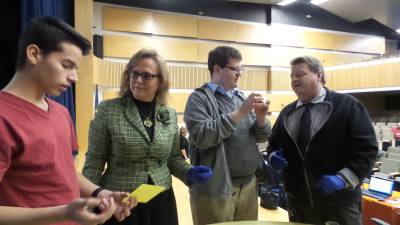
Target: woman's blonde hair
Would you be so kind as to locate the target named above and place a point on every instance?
(162, 92)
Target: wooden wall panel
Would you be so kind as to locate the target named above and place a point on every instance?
(394, 69)
(193, 51)
(141, 21)
(318, 40)
(278, 101)
(337, 58)
(84, 89)
(175, 25)
(97, 69)
(301, 37)
(205, 47)
(368, 76)
(176, 50)
(125, 46)
(187, 77)
(178, 101)
(254, 55)
(217, 30)
(252, 33)
(345, 42)
(184, 50)
(110, 94)
(372, 45)
(254, 80)
(119, 19)
(286, 36)
(109, 73)
(281, 56)
(169, 49)
(280, 80)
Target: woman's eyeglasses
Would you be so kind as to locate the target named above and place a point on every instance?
(145, 75)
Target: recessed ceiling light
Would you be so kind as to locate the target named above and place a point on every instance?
(286, 2)
(317, 2)
(308, 16)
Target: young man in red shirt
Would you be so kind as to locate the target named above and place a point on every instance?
(38, 181)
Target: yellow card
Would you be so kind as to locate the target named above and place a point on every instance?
(145, 192)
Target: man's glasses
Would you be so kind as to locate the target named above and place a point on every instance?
(238, 71)
(145, 75)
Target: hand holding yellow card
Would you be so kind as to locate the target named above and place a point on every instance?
(145, 192)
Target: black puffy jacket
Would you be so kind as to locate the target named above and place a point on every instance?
(347, 139)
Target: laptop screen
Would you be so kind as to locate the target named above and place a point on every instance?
(381, 185)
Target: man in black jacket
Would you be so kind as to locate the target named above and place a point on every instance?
(325, 145)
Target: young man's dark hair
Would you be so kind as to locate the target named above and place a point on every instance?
(48, 33)
(220, 56)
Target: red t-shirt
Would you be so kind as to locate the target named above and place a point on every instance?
(36, 163)
(396, 132)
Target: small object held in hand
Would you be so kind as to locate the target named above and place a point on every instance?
(97, 210)
(144, 193)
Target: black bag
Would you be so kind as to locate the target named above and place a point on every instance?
(269, 198)
(272, 196)
(271, 191)
(265, 173)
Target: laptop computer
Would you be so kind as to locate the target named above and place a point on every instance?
(379, 188)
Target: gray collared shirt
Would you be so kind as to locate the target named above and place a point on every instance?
(317, 99)
(230, 93)
(319, 114)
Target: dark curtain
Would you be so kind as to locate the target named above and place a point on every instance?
(96, 97)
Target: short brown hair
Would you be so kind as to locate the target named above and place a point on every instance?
(163, 73)
(220, 56)
(313, 63)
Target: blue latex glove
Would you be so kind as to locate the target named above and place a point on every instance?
(277, 160)
(199, 174)
(331, 183)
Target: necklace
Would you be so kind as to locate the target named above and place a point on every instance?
(147, 119)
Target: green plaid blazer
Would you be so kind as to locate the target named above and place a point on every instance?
(121, 156)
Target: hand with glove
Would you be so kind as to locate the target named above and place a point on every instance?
(199, 174)
(331, 183)
(277, 160)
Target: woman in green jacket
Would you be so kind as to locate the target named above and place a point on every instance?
(136, 136)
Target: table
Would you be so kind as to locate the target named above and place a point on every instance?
(384, 210)
(257, 223)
